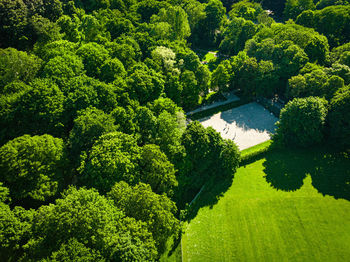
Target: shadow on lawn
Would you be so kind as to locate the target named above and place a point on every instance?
(210, 195)
(330, 171)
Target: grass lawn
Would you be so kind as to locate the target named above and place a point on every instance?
(292, 205)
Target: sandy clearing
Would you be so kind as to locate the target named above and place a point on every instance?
(247, 125)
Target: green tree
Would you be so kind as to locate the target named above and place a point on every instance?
(33, 168)
(302, 122)
(113, 157)
(112, 69)
(123, 119)
(17, 65)
(176, 17)
(141, 203)
(38, 110)
(331, 21)
(214, 17)
(94, 56)
(83, 92)
(4, 194)
(73, 250)
(294, 7)
(13, 21)
(145, 84)
(94, 221)
(157, 170)
(191, 91)
(15, 229)
(62, 68)
(220, 79)
(236, 34)
(339, 118)
(89, 125)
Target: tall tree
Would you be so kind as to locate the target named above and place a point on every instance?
(33, 168)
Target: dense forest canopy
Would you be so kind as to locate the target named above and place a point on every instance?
(97, 158)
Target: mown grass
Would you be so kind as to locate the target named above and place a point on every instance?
(292, 205)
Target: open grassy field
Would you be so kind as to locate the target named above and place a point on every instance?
(292, 205)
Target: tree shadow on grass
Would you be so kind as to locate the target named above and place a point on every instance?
(331, 175)
(286, 169)
(210, 195)
(330, 171)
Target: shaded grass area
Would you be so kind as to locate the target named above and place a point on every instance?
(292, 205)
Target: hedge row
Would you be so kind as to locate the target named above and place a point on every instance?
(255, 153)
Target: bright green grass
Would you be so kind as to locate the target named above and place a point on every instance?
(285, 219)
(209, 56)
(255, 148)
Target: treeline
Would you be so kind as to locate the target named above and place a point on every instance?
(96, 157)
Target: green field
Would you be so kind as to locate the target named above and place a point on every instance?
(290, 206)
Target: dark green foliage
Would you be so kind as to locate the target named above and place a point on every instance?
(190, 92)
(302, 122)
(332, 21)
(246, 9)
(145, 84)
(315, 45)
(14, 231)
(236, 34)
(156, 170)
(33, 168)
(62, 68)
(92, 220)
(324, 3)
(123, 119)
(13, 19)
(94, 56)
(83, 92)
(112, 69)
(89, 125)
(17, 65)
(339, 118)
(294, 7)
(207, 156)
(214, 15)
(4, 194)
(145, 125)
(37, 109)
(113, 157)
(73, 251)
(157, 211)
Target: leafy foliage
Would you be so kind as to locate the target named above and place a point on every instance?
(302, 122)
(157, 211)
(33, 168)
(113, 157)
(92, 220)
(339, 118)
